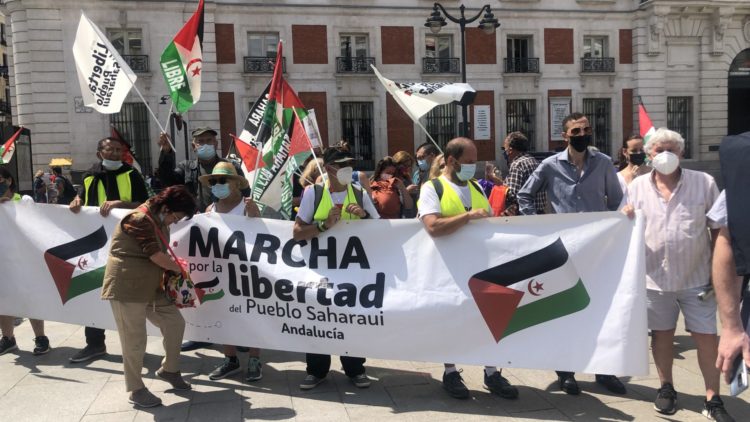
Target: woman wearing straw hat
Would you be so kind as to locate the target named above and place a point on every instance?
(226, 185)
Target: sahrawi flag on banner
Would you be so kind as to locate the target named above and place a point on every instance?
(529, 290)
(418, 98)
(182, 62)
(273, 128)
(644, 123)
(104, 77)
(9, 147)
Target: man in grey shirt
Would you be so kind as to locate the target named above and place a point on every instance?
(576, 180)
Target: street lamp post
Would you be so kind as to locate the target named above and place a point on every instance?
(488, 24)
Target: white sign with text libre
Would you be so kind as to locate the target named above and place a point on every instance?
(508, 290)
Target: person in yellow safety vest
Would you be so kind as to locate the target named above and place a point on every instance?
(109, 184)
(446, 204)
(320, 209)
(7, 327)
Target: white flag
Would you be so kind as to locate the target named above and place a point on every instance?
(418, 98)
(104, 77)
(311, 127)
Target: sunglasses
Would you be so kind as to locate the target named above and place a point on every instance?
(578, 131)
(220, 180)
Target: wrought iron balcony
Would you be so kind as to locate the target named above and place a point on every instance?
(521, 65)
(138, 63)
(261, 64)
(441, 65)
(597, 64)
(354, 64)
(5, 107)
(4, 71)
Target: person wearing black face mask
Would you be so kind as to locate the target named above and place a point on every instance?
(576, 180)
(632, 159)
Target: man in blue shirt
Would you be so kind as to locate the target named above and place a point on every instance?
(575, 180)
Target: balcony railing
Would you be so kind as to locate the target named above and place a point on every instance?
(261, 64)
(4, 71)
(597, 64)
(354, 64)
(4, 107)
(138, 63)
(521, 65)
(440, 65)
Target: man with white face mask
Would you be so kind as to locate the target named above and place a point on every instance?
(321, 208)
(446, 204)
(109, 184)
(675, 202)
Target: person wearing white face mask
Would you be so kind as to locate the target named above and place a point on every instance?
(675, 202)
(109, 184)
(446, 204)
(187, 172)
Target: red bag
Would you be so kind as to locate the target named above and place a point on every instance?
(497, 199)
(386, 199)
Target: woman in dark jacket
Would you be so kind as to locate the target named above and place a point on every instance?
(132, 284)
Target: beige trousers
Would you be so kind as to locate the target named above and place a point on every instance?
(131, 326)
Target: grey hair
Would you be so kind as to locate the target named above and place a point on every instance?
(664, 135)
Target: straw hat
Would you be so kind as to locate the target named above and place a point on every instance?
(226, 170)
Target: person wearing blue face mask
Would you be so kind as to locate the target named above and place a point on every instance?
(446, 204)
(109, 184)
(426, 154)
(187, 172)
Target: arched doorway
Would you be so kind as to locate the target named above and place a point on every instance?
(739, 94)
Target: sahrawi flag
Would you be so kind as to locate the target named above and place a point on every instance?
(9, 147)
(182, 62)
(78, 266)
(418, 98)
(644, 123)
(529, 290)
(104, 77)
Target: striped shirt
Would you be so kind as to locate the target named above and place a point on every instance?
(678, 246)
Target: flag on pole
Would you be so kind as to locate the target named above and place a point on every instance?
(646, 128)
(182, 63)
(531, 290)
(418, 98)
(311, 127)
(9, 147)
(127, 156)
(104, 77)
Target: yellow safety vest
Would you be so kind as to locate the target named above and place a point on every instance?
(450, 202)
(326, 204)
(16, 197)
(123, 187)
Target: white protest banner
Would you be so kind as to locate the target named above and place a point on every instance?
(547, 292)
(104, 77)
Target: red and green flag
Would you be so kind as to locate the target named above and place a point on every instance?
(644, 123)
(9, 147)
(77, 267)
(182, 62)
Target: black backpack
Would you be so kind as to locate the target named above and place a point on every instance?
(68, 193)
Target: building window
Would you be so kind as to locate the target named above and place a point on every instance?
(598, 111)
(357, 130)
(441, 124)
(520, 116)
(438, 55)
(354, 54)
(126, 41)
(595, 47)
(520, 55)
(262, 44)
(132, 123)
(680, 120)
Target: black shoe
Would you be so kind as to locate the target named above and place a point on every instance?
(229, 367)
(454, 385)
(88, 353)
(569, 385)
(7, 344)
(666, 400)
(189, 346)
(611, 383)
(41, 345)
(714, 410)
(500, 385)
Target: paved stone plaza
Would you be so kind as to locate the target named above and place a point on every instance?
(49, 388)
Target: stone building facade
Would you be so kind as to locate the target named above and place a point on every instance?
(687, 60)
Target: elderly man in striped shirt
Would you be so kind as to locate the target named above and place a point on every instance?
(675, 201)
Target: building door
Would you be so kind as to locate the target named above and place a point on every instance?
(739, 94)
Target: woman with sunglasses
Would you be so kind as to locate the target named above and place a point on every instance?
(226, 186)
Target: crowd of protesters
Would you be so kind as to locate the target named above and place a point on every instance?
(683, 210)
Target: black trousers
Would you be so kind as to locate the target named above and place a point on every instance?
(569, 374)
(319, 365)
(94, 337)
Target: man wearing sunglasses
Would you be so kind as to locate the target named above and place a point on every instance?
(575, 180)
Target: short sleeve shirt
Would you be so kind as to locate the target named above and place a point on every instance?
(718, 212)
